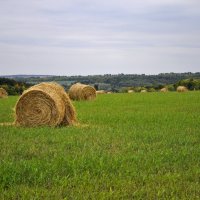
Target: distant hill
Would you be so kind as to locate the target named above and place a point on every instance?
(24, 76)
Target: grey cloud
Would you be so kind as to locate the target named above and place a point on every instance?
(99, 36)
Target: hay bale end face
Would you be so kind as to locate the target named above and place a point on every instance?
(45, 104)
(3, 93)
(181, 89)
(80, 91)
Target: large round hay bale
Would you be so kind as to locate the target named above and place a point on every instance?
(80, 91)
(3, 93)
(181, 89)
(45, 104)
(164, 90)
(143, 91)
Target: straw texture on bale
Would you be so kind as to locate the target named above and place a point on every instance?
(3, 93)
(44, 104)
(80, 91)
(164, 90)
(181, 89)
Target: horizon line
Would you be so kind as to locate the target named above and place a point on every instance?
(6, 75)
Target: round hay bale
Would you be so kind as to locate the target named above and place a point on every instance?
(181, 89)
(143, 91)
(3, 93)
(44, 104)
(80, 91)
(130, 91)
(100, 92)
(164, 90)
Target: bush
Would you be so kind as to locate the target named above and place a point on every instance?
(151, 90)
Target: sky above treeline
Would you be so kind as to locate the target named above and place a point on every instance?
(85, 37)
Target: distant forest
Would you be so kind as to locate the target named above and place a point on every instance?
(115, 83)
(13, 87)
(110, 82)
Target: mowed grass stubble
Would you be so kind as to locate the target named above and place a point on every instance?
(141, 146)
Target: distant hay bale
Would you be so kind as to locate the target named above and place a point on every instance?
(109, 92)
(3, 93)
(164, 90)
(130, 91)
(100, 92)
(44, 104)
(80, 91)
(181, 89)
(143, 91)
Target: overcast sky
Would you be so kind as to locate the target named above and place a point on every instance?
(71, 37)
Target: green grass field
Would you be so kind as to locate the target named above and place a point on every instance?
(128, 146)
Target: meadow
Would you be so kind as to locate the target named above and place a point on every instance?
(127, 146)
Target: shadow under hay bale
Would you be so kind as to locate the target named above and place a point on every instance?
(80, 91)
(181, 89)
(3, 93)
(45, 104)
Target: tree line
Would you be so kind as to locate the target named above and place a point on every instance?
(13, 87)
(109, 82)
